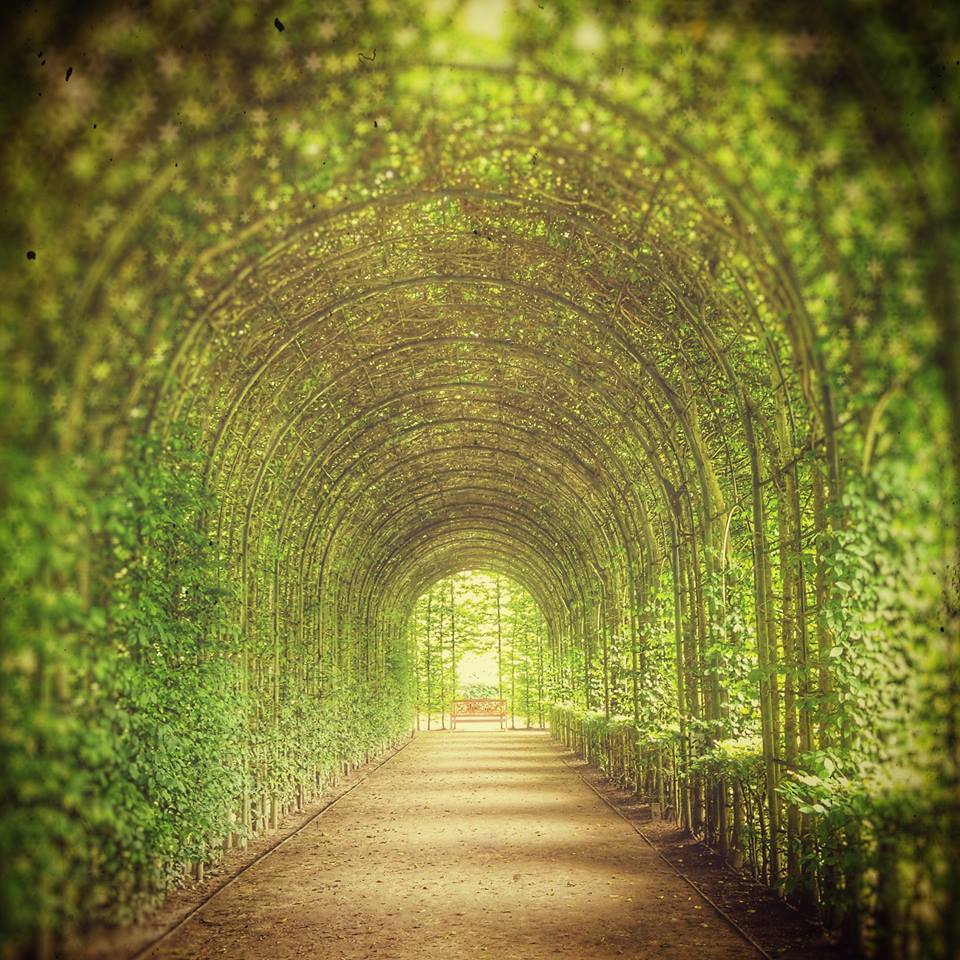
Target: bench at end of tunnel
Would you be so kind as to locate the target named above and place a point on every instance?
(478, 709)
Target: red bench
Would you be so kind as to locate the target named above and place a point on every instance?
(478, 709)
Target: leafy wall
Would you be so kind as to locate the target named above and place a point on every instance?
(652, 309)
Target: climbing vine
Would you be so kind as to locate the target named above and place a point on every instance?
(126, 712)
(652, 311)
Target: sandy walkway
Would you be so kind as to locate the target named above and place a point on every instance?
(466, 843)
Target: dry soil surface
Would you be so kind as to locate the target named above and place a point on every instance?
(479, 843)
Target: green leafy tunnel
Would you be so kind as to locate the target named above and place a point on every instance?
(649, 308)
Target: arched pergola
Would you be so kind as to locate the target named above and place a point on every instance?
(647, 310)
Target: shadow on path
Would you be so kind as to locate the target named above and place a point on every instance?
(475, 842)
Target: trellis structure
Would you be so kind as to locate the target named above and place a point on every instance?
(651, 312)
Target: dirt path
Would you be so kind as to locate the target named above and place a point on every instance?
(466, 842)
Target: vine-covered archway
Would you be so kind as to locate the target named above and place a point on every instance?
(652, 310)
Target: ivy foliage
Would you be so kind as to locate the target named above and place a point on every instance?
(652, 308)
(123, 761)
(126, 725)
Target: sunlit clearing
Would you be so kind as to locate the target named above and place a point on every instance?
(480, 638)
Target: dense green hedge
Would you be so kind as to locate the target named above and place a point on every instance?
(884, 829)
(130, 737)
